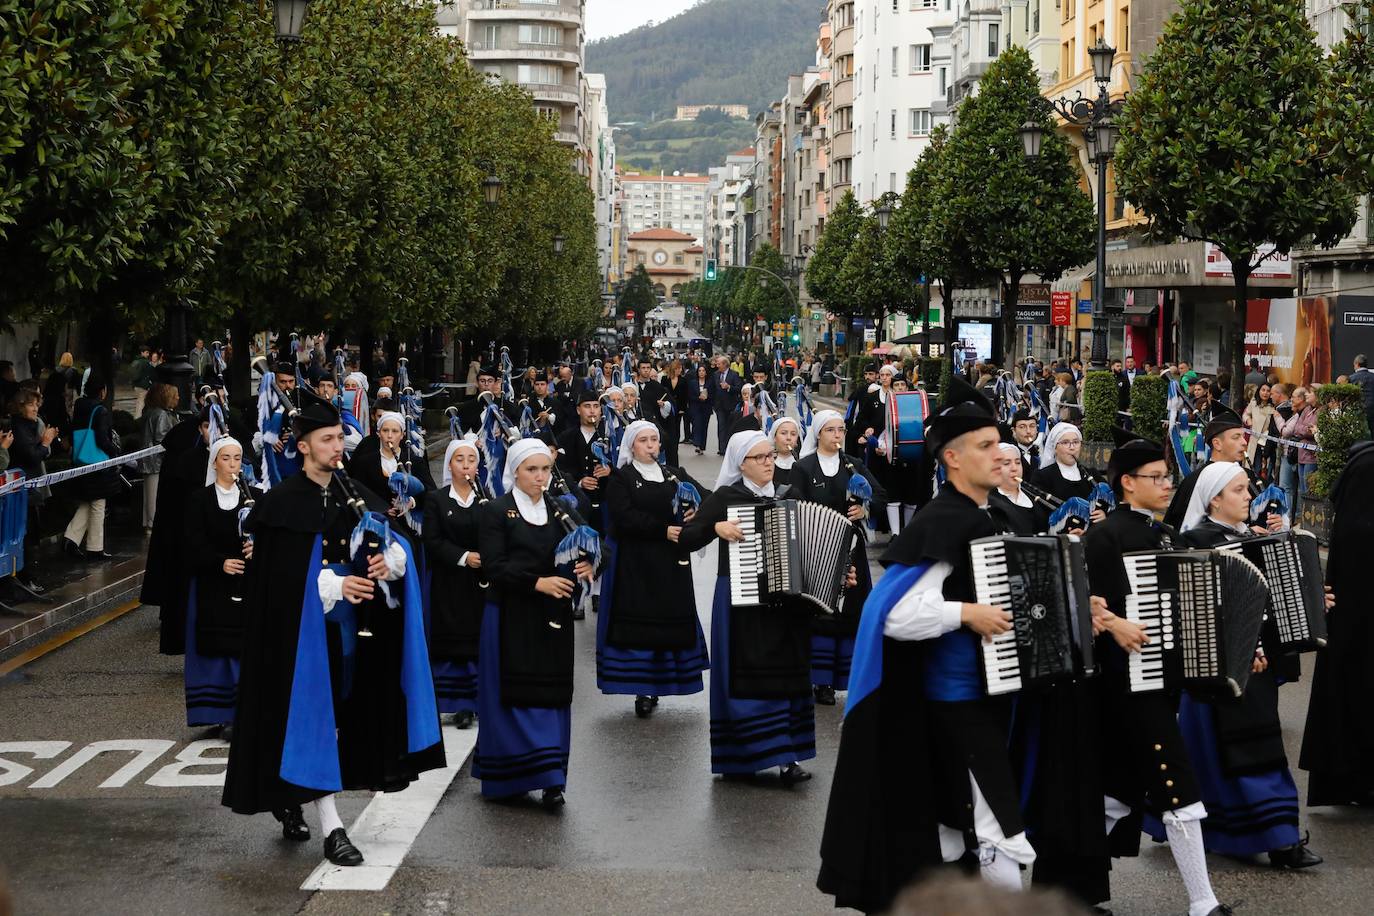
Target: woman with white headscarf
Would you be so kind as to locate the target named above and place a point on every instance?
(822, 475)
(525, 657)
(373, 468)
(457, 591)
(1059, 473)
(1237, 748)
(1022, 514)
(762, 714)
(215, 612)
(649, 641)
(786, 438)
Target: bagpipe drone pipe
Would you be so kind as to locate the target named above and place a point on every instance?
(580, 541)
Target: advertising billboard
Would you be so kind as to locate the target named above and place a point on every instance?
(1309, 341)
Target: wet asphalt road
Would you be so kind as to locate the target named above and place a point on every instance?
(646, 830)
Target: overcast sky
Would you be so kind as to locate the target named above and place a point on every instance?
(611, 17)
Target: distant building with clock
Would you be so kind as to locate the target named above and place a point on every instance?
(672, 258)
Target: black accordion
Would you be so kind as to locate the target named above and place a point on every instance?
(791, 549)
(1203, 611)
(1297, 596)
(1042, 582)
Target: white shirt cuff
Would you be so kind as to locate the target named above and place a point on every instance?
(330, 585)
(395, 562)
(953, 617)
(463, 560)
(923, 613)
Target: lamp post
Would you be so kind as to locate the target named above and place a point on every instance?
(1096, 117)
(290, 17)
(559, 241)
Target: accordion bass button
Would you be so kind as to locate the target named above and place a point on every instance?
(1163, 767)
(1169, 783)
(1159, 747)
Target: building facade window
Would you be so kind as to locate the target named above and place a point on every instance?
(541, 35)
(892, 125)
(944, 80)
(992, 39)
(920, 58)
(920, 122)
(539, 73)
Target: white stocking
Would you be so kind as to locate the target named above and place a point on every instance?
(894, 518)
(1185, 842)
(329, 815)
(997, 868)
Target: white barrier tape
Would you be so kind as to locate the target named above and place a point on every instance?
(79, 471)
(1292, 443)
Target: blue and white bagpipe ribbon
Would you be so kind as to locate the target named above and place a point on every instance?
(767, 409)
(218, 364)
(1272, 499)
(686, 499)
(1074, 513)
(617, 376)
(402, 373)
(507, 368)
(580, 544)
(1180, 421)
(527, 426)
(1038, 408)
(614, 428)
(1103, 498)
(492, 446)
(374, 524)
(596, 379)
(599, 452)
(805, 411)
(272, 428)
(1004, 393)
(405, 487)
(340, 368)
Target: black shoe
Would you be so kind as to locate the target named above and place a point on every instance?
(553, 799)
(793, 774)
(654, 701)
(226, 733)
(30, 585)
(1295, 856)
(596, 604)
(644, 707)
(1220, 909)
(72, 549)
(825, 696)
(293, 826)
(340, 850)
(578, 613)
(464, 719)
(99, 555)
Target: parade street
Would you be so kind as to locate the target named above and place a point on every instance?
(103, 814)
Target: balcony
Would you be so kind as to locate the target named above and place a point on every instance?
(513, 10)
(567, 137)
(566, 53)
(552, 92)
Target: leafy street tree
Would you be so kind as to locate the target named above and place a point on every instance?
(915, 261)
(945, 241)
(1226, 139)
(874, 284)
(760, 294)
(1350, 98)
(823, 271)
(638, 297)
(1019, 218)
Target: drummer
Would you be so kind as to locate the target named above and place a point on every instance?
(903, 482)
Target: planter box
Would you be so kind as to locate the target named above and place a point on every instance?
(1315, 514)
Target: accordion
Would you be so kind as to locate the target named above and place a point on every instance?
(791, 549)
(1297, 598)
(1202, 610)
(1041, 581)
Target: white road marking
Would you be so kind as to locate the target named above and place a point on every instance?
(388, 826)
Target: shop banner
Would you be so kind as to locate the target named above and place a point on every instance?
(1309, 341)
(1273, 266)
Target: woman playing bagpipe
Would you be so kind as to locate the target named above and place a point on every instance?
(762, 714)
(335, 691)
(649, 642)
(457, 588)
(1023, 515)
(826, 475)
(1237, 747)
(530, 556)
(379, 470)
(215, 607)
(786, 438)
(1060, 474)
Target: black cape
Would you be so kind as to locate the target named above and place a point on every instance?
(457, 593)
(212, 536)
(166, 576)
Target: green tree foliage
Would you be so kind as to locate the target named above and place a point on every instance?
(638, 296)
(1149, 406)
(1226, 139)
(1350, 97)
(719, 51)
(1019, 217)
(116, 149)
(824, 271)
(761, 294)
(873, 282)
(1340, 424)
(945, 242)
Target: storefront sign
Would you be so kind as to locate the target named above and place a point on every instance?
(1061, 309)
(1033, 313)
(1273, 265)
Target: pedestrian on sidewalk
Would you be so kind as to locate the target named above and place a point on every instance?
(728, 385)
(31, 446)
(93, 441)
(159, 416)
(143, 377)
(701, 399)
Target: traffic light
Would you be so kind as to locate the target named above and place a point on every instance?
(710, 270)
(796, 338)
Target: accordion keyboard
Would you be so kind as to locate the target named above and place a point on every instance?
(992, 585)
(746, 558)
(1153, 608)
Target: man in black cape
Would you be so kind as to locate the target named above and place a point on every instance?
(336, 691)
(1227, 441)
(1338, 744)
(923, 775)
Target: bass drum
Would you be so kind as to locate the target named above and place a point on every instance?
(906, 425)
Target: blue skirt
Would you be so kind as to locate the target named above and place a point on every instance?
(1246, 815)
(212, 681)
(831, 657)
(643, 672)
(752, 735)
(519, 748)
(455, 685)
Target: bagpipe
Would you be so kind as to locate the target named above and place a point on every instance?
(498, 432)
(806, 411)
(246, 492)
(1074, 513)
(766, 408)
(687, 498)
(622, 373)
(859, 492)
(371, 536)
(580, 544)
(613, 424)
(596, 379)
(1272, 500)
(405, 487)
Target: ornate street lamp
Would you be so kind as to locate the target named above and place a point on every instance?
(290, 16)
(491, 188)
(885, 205)
(1096, 117)
(559, 241)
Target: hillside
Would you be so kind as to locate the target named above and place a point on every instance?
(721, 51)
(686, 146)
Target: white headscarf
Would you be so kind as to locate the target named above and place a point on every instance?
(630, 386)
(1211, 480)
(632, 432)
(219, 444)
(821, 418)
(888, 369)
(390, 416)
(777, 424)
(358, 379)
(1057, 432)
(517, 454)
(469, 441)
(735, 452)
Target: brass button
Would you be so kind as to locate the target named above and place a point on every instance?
(1175, 801)
(1163, 766)
(969, 807)
(1159, 747)
(1169, 783)
(324, 562)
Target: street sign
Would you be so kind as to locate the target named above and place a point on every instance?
(1061, 309)
(1033, 313)
(1085, 306)
(818, 316)
(629, 315)
(870, 335)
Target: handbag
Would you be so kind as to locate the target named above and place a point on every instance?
(84, 447)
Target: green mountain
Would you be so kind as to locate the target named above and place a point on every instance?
(719, 51)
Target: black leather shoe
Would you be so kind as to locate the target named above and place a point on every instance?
(99, 555)
(1295, 856)
(825, 696)
(340, 850)
(644, 707)
(793, 774)
(1221, 909)
(578, 613)
(464, 719)
(72, 549)
(553, 799)
(31, 585)
(293, 826)
(596, 604)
